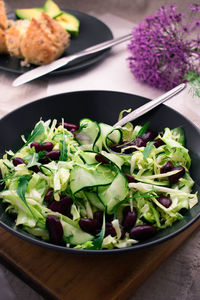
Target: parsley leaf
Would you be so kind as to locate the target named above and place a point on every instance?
(38, 130)
(63, 151)
(21, 189)
(143, 129)
(147, 150)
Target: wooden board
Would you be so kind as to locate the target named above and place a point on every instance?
(67, 276)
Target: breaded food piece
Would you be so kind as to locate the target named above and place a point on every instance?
(3, 47)
(3, 26)
(44, 41)
(3, 17)
(14, 36)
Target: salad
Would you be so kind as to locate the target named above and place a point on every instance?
(94, 186)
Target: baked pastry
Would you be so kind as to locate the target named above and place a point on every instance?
(3, 26)
(44, 40)
(14, 37)
(39, 41)
(3, 17)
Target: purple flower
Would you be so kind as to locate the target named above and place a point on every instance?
(194, 7)
(161, 52)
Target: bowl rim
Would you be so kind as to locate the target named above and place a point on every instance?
(135, 247)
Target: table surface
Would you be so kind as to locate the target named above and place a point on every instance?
(177, 277)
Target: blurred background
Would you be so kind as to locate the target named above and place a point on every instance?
(132, 10)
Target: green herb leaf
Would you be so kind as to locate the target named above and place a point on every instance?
(32, 159)
(21, 189)
(147, 150)
(98, 240)
(194, 79)
(143, 129)
(38, 130)
(67, 239)
(63, 150)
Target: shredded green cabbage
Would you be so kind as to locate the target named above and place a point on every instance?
(97, 185)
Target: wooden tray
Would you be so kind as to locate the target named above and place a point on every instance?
(59, 275)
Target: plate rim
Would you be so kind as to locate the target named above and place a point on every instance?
(92, 60)
(135, 247)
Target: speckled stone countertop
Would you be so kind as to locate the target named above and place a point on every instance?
(178, 277)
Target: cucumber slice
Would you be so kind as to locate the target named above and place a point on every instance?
(88, 135)
(28, 13)
(94, 200)
(88, 157)
(52, 9)
(116, 192)
(69, 23)
(75, 235)
(82, 177)
(110, 135)
(118, 161)
(147, 214)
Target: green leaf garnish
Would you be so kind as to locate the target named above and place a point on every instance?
(32, 159)
(21, 189)
(143, 129)
(39, 130)
(147, 150)
(63, 150)
(67, 239)
(194, 79)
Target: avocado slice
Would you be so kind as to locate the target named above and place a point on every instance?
(52, 9)
(28, 13)
(69, 23)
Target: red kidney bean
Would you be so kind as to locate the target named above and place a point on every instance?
(62, 206)
(69, 126)
(109, 217)
(18, 161)
(47, 146)
(37, 146)
(158, 142)
(110, 229)
(35, 169)
(98, 216)
(142, 232)
(138, 142)
(166, 167)
(126, 210)
(89, 225)
(165, 201)
(101, 159)
(55, 229)
(53, 155)
(175, 178)
(116, 148)
(149, 135)
(129, 150)
(48, 196)
(44, 161)
(129, 177)
(129, 219)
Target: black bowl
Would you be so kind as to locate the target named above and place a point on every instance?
(101, 106)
